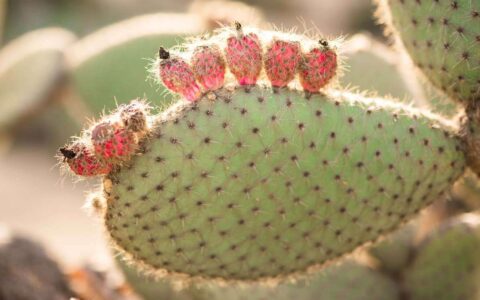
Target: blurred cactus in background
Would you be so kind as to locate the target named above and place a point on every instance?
(244, 160)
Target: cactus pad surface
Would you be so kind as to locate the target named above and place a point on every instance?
(264, 184)
(443, 39)
(447, 265)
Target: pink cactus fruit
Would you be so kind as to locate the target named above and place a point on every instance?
(318, 67)
(208, 66)
(281, 61)
(134, 116)
(178, 76)
(244, 56)
(112, 142)
(82, 162)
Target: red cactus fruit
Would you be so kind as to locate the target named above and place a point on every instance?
(281, 62)
(208, 66)
(244, 56)
(112, 142)
(82, 162)
(317, 67)
(134, 116)
(178, 76)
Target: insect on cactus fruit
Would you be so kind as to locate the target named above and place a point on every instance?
(82, 162)
(318, 67)
(108, 143)
(262, 183)
(178, 76)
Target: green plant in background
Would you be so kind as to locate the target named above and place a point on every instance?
(442, 39)
(447, 262)
(31, 71)
(348, 281)
(365, 58)
(3, 8)
(109, 66)
(32, 78)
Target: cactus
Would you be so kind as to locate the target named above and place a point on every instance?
(442, 38)
(31, 70)
(447, 263)
(471, 134)
(3, 12)
(349, 280)
(111, 63)
(366, 58)
(319, 175)
(394, 253)
(256, 161)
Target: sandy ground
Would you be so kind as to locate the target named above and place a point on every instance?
(36, 200)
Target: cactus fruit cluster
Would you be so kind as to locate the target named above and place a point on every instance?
(442, 38)
(245, 58)
(262, 171)
(109, 143)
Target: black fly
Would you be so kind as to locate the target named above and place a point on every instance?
(67, 153)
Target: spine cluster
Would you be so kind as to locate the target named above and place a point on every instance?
(109, 143)
(244, 56)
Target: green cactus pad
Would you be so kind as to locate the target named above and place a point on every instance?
(31, 67)
(347, 281)
(109, 66)
(447, 265)
(366, 58)
(395, 251)
(443, 39)
(262, 184)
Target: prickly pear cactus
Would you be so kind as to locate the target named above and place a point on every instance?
(395, 252)
(261, 184)
(442, 37)
(111, 63)
(31, 70)
(347, 281)
(259, 179)
(447, 264)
